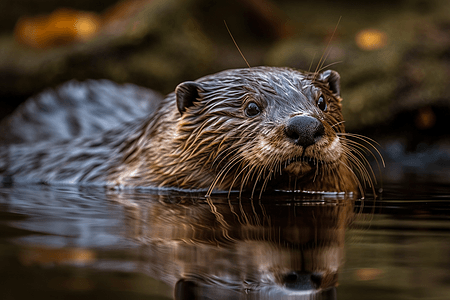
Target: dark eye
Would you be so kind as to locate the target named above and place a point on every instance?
(252, 109)
(321, 103)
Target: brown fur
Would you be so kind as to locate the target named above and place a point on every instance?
(214, 145)
(210, 142)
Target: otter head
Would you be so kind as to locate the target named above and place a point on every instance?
(265, 128)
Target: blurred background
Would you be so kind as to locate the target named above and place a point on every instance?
(394, 61)
(393, 55)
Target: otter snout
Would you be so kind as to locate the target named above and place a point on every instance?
(304, 130)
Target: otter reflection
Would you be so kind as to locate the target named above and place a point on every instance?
(216, 248)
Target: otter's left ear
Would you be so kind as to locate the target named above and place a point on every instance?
(333, 79)
(186, 93)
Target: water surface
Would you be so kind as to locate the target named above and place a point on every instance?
(72, 242)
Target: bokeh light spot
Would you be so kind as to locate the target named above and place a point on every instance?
(371, 39)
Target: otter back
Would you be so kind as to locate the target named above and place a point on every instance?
(77, 109)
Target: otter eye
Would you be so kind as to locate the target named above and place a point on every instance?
(252, 109)
(321, 103)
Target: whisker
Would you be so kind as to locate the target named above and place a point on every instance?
(338, 123)
(236, 45)
(369, 142)
(221, 175)
(245, 179)
(360, 146)
(256, 181)
(366, 139)
(310, 66)
(356, 178)
(320, 63)
(235, 178)
(362, 169)
(330, 64)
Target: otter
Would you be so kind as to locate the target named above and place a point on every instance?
(259, 128)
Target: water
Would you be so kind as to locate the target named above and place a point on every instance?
(72, 242)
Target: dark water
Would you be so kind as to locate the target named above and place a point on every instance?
(71, 242)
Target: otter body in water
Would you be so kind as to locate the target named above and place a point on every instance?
(247, 129)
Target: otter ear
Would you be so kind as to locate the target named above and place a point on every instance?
(333, 79)
(186, 93)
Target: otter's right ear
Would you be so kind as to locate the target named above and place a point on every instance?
(186, 93)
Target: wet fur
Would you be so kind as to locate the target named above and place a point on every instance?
(212, 145)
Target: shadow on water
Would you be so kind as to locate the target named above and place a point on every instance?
(72, 242)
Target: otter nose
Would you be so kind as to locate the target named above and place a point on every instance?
(304, 130)
(302, 280)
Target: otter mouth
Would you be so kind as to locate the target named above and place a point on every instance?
(303, 160)
(302, 164)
